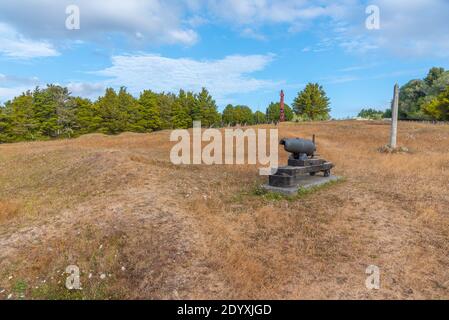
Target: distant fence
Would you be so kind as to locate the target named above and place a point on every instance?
(426, 121)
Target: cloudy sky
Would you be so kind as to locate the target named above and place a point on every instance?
(243, 51)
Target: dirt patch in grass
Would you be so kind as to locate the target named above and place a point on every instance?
(8, 210)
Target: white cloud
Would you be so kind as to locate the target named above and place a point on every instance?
(407, 28)
(252, 34)
(271, 11)
(224, 77)
(13, 80)
(340, 79)
(9, 93)
(156, 21)
(15, 45)
(87, 90)
(359, 67)
(417, 27)
(12, 86)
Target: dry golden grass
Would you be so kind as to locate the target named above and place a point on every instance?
(8, 210)
(104, 203)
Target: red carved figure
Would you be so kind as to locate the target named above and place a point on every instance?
(282, 114)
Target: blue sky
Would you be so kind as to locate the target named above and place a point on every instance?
(243, 51)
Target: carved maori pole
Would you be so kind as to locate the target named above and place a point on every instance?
(282, 114)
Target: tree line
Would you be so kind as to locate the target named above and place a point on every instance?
(420, 99)
(52, 112)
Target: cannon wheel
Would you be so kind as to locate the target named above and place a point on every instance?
(327, 173)
(312, 173)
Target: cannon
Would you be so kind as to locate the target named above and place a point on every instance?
(302, 162)
(299, 148)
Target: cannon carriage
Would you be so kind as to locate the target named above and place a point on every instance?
(303, 161)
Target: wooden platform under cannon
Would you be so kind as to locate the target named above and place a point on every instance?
(291, 176)
(306, 182)
(303, 169)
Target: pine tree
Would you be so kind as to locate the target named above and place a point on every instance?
(184, 110)
(180, 116)
(109, 111)
(129, 112)
(149, 110)
(208, 113)
(23, 123)
(312, 103)
(165, 104)
(87, 116)
(5, 126)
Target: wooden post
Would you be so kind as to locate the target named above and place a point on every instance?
(394, 118)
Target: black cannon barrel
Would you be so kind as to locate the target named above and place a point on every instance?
(299, 146)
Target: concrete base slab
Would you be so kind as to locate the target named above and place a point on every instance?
(306, 182)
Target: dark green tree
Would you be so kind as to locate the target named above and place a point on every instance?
(438, 108)
(273, 113)
(182, 110)
(240, 114)
(312, 103)
(88, 119)
(5, 126)
(243, 115)
(411, 97)
(53, 111)
(433, 75)
(416, 94)
(130, 112)
(371, 113)
(165, 104)
(259, 117)
(205, 105)
(228, 117)
(150, 113)
(108, 108)
(23, 123)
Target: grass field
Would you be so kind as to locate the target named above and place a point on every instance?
(139, 227)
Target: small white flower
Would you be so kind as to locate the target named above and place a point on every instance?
(10, 277)
(102, 276)
(101, 246)
(123, 268)
(90, 275)
(10, 296)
